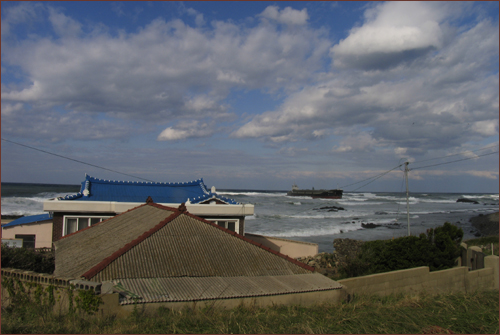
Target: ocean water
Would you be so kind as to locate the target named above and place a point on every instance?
(311, 220)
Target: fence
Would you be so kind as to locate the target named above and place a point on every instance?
(420, 280)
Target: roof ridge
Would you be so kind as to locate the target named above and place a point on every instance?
(98, 223)
(181, 210)
(144, 183)
(196, 191)
(106, 261)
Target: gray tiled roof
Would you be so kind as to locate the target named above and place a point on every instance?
(153, 241)
(77, 253)
(190, 247)
(142, 290)
(158, 254)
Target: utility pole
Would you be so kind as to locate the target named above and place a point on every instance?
(407, 200)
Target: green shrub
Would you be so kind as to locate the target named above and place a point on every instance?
(27, 259)
(438, 249)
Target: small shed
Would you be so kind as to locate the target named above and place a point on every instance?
(35, 230)
(159, 254)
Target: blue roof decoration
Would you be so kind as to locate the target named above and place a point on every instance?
(28, 219)
(94, 189)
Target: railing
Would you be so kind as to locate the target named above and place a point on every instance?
(48, 279)
(44, 249)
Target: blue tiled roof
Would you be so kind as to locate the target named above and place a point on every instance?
(28, 219)
(94, 189)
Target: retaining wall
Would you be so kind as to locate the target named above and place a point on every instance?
(112, 306)
(420, 279)
(416, 280)
(63, 289)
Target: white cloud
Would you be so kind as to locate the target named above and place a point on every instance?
(187, 129)
(486, 128)
(483, 174)
(165, 70)
(64, 25)
(408, 107)
(393, 32)
(288, 15)
(362, 142)
(403, 83)
(9, 109)
(199, 20)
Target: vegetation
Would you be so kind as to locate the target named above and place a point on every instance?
(438, 249)
(485, 244)
(471, 313)
(27, 259)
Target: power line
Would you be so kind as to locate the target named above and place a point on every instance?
(422, 167)
(460, 153)
(458, 160)
(380, 176)
(78, 161)
(75, 160)
(376, 177)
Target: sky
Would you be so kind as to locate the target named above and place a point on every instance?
(252, 95)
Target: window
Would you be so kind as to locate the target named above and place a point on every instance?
(76, 223)
(231, 224)
(28, 240)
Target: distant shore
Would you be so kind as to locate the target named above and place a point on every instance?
(486, 224)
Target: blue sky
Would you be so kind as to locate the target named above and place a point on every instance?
(253, 95)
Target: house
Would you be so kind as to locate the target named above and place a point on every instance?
(155, 254)
(35, 231)
(100, 199)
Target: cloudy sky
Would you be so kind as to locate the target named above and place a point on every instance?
(253, 95)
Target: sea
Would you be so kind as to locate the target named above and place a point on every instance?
(358, 215)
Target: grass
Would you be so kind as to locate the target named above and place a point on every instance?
(485, 244)
(471, 313)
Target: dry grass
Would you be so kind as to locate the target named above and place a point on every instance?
(404, 314)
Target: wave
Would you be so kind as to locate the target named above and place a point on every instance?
(439, 201)
(251, 194)
(305, 232)
(484, 196)
(27, 205)
(351, 203)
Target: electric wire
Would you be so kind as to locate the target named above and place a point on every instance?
(458, 160)
(342, 187)
(376, 177)
(89, 164)
(75, 160)
(460, 153)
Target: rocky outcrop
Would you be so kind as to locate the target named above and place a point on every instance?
(468, 200)
(486, 224)
(330, 209)
(369, 225)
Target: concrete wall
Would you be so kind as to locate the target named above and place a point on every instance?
(60, 286)
(42, 232)
(293, 249)
(409, 281)
(420, 279)
(111, 304)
